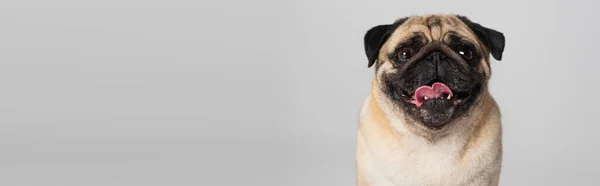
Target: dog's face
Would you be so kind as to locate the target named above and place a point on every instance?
(434, 67)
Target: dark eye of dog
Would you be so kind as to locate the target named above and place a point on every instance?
(465, 52)
(404, 54)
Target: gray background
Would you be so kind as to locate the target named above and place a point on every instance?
(264, 92)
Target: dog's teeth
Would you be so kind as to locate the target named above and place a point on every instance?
(449, 96)
(426, 98)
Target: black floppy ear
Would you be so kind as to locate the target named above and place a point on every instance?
(492, 39)
(376, 37)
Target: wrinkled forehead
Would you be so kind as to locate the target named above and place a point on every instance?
(433, 28)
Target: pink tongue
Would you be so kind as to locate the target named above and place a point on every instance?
(436, 91)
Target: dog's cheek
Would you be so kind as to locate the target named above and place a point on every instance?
(484, 68)
(383, 72)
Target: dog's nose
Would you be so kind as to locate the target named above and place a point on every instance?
(437, 56)
(436, 59)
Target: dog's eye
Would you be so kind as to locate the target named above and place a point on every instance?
(404, 54)
(466, 53)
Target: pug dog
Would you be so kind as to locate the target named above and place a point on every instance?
(429, 119)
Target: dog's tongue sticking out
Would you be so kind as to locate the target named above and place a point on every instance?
(435, 91)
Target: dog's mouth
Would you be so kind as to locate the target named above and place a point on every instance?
(437, 91)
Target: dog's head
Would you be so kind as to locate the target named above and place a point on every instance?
(434, 67)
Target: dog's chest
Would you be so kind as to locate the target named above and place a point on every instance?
(427, 166)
